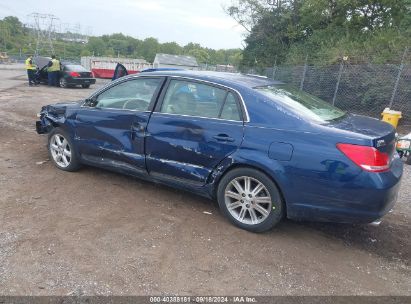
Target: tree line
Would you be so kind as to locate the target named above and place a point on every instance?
(288, 31)
(278, 32)
(15, 38)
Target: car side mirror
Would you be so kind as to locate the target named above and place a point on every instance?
(90, 102)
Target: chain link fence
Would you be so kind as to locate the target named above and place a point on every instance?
(360, 88)
(21, 57)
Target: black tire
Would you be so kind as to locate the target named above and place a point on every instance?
(85, 86)
(74, 163)
(276, 209)
(63, 83)
(408, 159)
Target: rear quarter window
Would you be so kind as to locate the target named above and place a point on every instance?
(305, 105)
(231, 110)
(75, 68)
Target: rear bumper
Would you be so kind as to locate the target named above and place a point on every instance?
(80, 81)
(364, 200)
(348, 213)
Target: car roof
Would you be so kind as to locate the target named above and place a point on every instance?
(160, 69)
(246, 80)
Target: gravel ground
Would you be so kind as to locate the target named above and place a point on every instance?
(100, 233)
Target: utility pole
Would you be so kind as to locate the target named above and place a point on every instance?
(304, 73)
(44, 26)
(397, 80)
(337, 85)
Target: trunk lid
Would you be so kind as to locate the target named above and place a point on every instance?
(382, 133)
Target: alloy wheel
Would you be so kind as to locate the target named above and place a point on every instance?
(60, 150)
(63, 83)
(248, 200)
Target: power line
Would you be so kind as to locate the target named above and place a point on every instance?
(45, 27)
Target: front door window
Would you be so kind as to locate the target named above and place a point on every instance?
(135, 94)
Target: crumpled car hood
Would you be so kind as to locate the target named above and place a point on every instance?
(61, 107)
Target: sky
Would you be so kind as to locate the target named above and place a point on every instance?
(182, 21)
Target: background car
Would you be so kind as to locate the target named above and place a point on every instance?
(70, 75)
(263, 149)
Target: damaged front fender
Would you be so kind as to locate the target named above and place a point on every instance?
(50, 117)
(43, 126)
(47, 123)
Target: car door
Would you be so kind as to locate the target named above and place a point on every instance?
(111, 126)
(119, 71)
(192, 130)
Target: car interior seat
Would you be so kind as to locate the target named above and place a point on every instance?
(184, 103)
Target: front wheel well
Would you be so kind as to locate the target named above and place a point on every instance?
(237, 166)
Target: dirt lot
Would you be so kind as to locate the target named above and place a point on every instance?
(97, 232)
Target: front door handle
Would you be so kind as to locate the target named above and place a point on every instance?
(137, 128)
(223, 137)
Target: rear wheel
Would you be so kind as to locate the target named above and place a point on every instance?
(85, 86)
(250, 200)
(63, 82)
(61, 151)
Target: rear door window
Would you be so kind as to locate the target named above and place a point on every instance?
(201, 100)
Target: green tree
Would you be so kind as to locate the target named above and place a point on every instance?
(324, 29)
(96, 46)
(14, 36)
(109, 53)
(85, 52)
(200, 54)
(149, 48)
(14, 25)
(171, 48)
(191, 46)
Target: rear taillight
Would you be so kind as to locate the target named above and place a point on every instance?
(74, 74)
(366, 157)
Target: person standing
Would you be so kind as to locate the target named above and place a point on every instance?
(53, 71)
(31, 70)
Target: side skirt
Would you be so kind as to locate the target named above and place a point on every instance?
(126, 169)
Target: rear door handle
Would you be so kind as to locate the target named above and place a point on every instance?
(223, 137)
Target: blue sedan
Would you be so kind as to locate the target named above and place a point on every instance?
(262, 149)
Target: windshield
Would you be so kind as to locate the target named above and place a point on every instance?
(304, 104)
